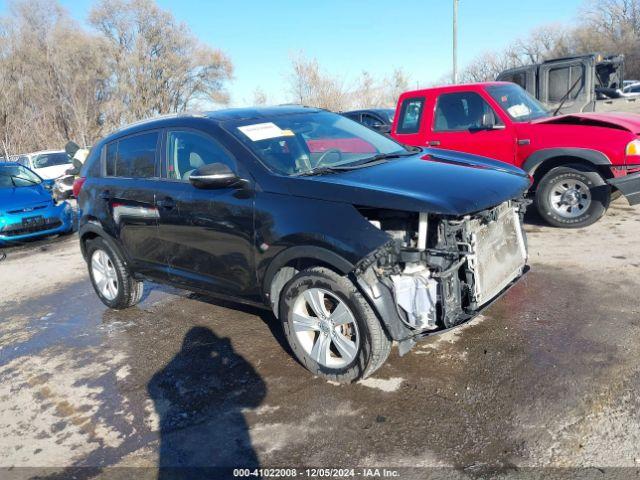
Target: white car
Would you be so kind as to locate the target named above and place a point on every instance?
(49, 164)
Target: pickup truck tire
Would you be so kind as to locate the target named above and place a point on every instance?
(115, 287)
(320, 308)
(572, 196)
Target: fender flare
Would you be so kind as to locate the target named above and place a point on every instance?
(324, 255)
(536, 159)
(95, 228)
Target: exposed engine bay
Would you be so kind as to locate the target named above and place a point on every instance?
(440, 270)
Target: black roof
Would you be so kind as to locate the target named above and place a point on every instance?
(257, 112)
(216, 116)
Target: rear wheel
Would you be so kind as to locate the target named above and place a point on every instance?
(572, 196)
(112, 282)
(331, 328)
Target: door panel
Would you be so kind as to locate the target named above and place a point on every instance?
(205, 235)
(458, 118)
(128, 192)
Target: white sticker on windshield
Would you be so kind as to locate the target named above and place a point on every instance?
(519, 110)
(262, 131)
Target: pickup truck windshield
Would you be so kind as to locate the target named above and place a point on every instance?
(518, 104)
(301, 143)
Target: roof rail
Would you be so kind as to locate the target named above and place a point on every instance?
(189, 113)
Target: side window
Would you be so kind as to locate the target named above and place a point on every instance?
(462, 111)
(370, 120)
(110, 159)
(137, 156)
(410, 115)
(519, 78)
(561, 79)
(24, 161)
(188, 150)
(353, 116)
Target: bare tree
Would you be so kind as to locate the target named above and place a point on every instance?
(48, 74)
(309, 85)
(259, 97)
(157, 65)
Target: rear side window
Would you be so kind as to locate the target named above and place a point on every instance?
(133, 157)
(110, 159)
(410, 115)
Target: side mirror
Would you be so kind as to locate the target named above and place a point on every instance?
(48, 184)
(489, 122)
(214, 175)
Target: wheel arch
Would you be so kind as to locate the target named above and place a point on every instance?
(289, 262)
(92, 230)
(541, 162)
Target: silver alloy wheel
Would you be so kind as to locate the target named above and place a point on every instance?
(325, 328)
(104, 274)
(570, 198)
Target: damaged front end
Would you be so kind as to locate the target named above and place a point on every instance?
(438, 271)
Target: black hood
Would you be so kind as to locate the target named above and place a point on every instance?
(434, 181)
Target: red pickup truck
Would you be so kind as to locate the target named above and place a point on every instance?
(577, 161)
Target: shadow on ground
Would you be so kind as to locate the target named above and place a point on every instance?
(200, 396)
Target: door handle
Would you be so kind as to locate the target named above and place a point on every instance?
(433, 143)
(167, 203)
(106, 195)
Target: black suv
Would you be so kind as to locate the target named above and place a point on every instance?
(351, 239)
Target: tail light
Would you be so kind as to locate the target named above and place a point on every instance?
(77, 185)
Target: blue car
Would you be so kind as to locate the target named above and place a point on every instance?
(27, 209)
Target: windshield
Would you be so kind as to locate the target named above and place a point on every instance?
(302, 142)
(44, 160)
(518, 104)
(12, 176)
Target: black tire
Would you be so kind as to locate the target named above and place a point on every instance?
(129, 290)
(596, 207)
(374, 344)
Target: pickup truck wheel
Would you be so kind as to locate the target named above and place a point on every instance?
(572, 196)
(331, 328)
(115, 287)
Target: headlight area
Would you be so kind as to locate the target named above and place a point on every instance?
(438, 271)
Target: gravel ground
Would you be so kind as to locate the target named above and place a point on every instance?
(544, 381)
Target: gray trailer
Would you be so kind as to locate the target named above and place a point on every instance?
(585, 83)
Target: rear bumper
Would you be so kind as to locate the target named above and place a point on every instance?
(629, 186)
(58, 219)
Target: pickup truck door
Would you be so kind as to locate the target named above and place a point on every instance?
(466, 122)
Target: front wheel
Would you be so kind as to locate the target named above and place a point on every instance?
(331, 328)
(572, 196)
